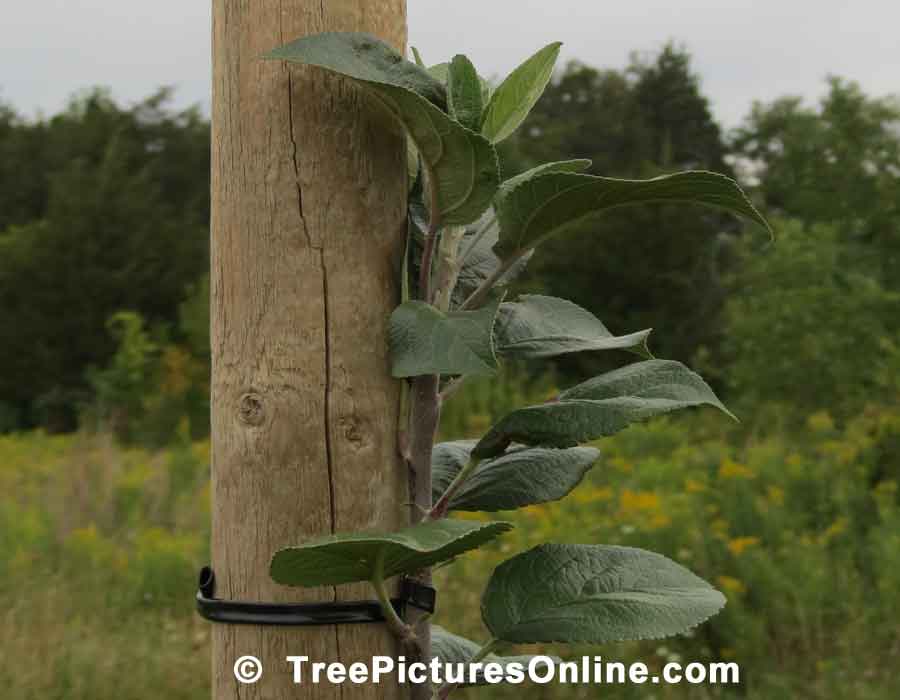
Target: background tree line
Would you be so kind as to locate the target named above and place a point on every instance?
(104, 214)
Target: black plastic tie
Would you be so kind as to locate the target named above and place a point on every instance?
(237, 612)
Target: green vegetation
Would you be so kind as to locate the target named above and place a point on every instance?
(800, 529)
(99, 546)
(102, 209)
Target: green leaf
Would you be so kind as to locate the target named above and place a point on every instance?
(518, 478)
(337, 559)
(425, 340)
(462, 165)
(538, 326)
(577, 165)
(464, 93)
(452, 649)
(594, 594)
(363, 57)
(553, 202)
(602, 406)
(515, 97)
(652, 379)
(440, 72)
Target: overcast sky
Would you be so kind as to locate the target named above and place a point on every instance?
(743, 49)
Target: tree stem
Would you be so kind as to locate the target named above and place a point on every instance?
(434, 224)
(448, 266)
(425, 270)
(425, 418)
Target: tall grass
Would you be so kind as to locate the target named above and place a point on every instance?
(98, 549)
(801, 530)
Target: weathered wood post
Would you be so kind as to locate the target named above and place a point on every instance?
(308, 219)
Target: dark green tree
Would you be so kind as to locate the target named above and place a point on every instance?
(23, 183)
(837, 163)
(119, 221)
(649, 119)
(809, 330)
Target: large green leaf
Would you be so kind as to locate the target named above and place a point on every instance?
(461, 164)
(594, 594)
(515, 96)
(363, 57)
(577, 165)
(517, 478)
(425, 340)
(652, 379)
(601, 406)
(464, 93)
(452, 649)
(538, 326)
(441, 73)
(553, 202)
(337, 559)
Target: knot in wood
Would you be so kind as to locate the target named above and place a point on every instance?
(354, 431)
(250, 409)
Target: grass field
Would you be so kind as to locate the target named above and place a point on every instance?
(99, 546)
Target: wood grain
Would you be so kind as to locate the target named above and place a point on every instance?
(308, 218)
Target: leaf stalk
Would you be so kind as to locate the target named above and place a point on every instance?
(442, 506)
(403, 632)
(479, 296)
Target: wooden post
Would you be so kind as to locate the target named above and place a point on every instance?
(308, 222)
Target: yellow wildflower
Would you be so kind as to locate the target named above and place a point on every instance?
(775, 495)
(622, 464)
(739, 544)
(535, 511)
(694, 486)
(593, 495)
(820, 422)
(729, 469)
(631, 501)
(731, 585)
(659, 521)
(479, 517)
(835, 529)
